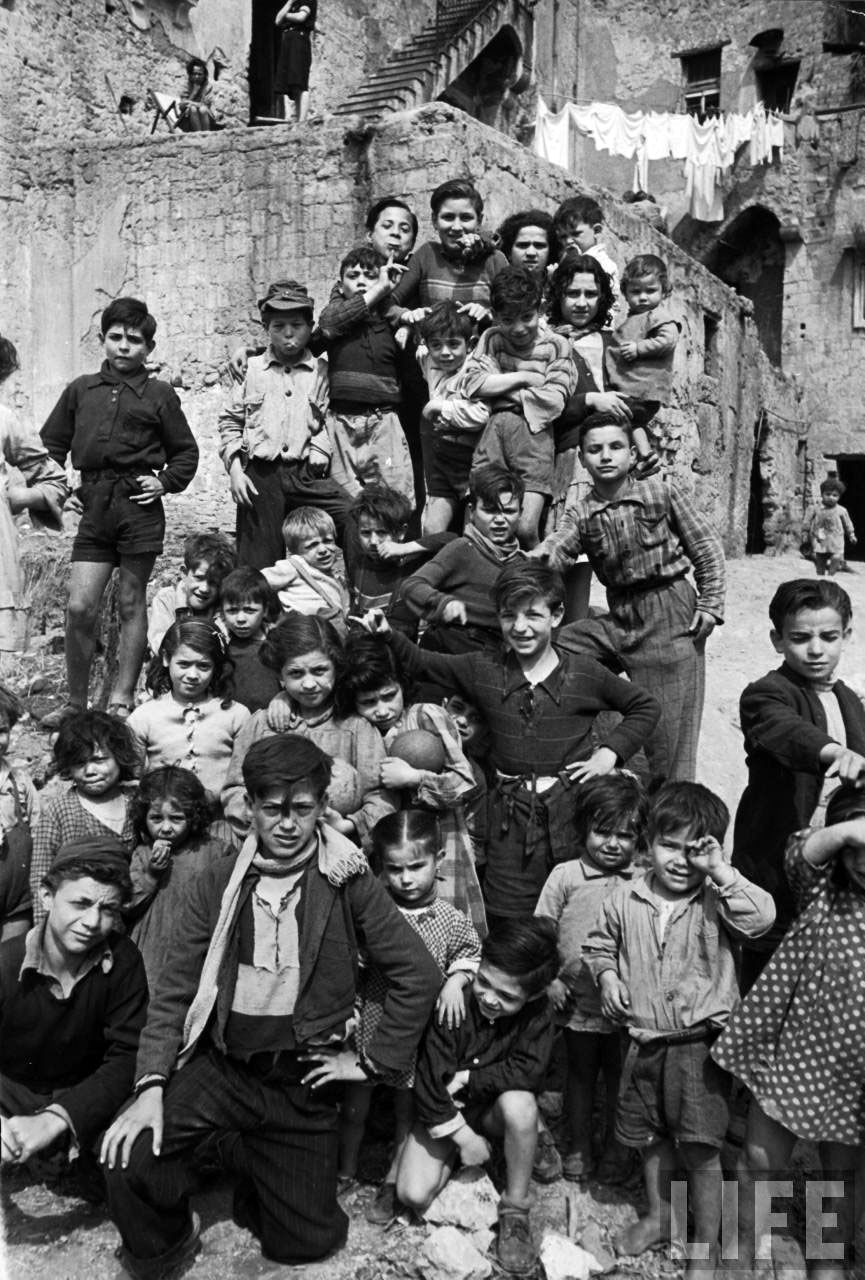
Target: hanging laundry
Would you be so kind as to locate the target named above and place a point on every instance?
(553, 134)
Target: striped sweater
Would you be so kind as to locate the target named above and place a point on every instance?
(550, 356)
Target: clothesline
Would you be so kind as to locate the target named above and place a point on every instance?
(707, 147)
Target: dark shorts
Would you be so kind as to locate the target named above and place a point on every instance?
(446, 466)
(674, 1091)
(113, 527)
(508, 443)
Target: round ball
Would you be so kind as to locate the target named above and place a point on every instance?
(419, 748)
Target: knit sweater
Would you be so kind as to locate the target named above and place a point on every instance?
(433, 277)
(550, 357)
(465, 570)
(361, 355)
(198, 736)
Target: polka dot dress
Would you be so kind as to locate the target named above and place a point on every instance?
(798, 1040)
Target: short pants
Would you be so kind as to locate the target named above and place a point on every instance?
(508, 443)
(673, 1091)
(113, 527)
(446, 465)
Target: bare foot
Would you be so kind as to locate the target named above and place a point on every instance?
(641, 1235)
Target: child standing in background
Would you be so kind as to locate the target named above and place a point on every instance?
(828, 526)
(578, 225)
(611, 817)
(248, 607)
(207, 558)
(305, 581)
(640, 354)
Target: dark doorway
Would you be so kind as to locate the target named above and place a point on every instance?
(482, 87)
(263, 56)
(851, 470)
(750, 257)
(755, 538)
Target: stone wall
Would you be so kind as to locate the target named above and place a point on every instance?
(197, 225)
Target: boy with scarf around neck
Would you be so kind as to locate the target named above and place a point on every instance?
(453, 592)
(262, 973)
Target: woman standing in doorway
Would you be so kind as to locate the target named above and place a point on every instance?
(296, 20)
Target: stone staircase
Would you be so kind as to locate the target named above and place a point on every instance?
(433, 59)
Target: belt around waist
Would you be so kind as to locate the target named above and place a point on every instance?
(642, 588)
(281, 1063)
(93, 475)
(540, 782)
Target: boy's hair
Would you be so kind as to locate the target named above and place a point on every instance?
(132, 313)
(249, 586)
(197, 62)
(575, 210)
(489, 482)
(456, 189)
(517, 584)
(10, 707)
(525, 950)
(385, 505)
(85, 868)
(604, 420)
(81, 734)
(362, 255)
(9, 361)
(833, 485)
(613, 802)
(687, 806)
(646, 264)
(170, 782)
(204, 638)
(512, 226)
(809, 593)
(283, 761)
(513, 292)
(368, 664)
(305, 522)
(580, 264)
(212, 549)
(391, 202)
(299, 633)
(407, 826)
(445, 320)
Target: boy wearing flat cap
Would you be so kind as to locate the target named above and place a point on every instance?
(248, 1025)
(272, 436)
(73, 1000)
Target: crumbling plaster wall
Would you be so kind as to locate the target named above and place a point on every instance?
(197, 225)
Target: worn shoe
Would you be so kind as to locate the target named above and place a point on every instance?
(548, 1163)
(384, 1207)
(577, 1165)
(172, 1263)
(514, 1249)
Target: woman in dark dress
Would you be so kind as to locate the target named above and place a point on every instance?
(296, 21)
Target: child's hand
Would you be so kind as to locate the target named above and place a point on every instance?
(705, 855)
(372, 621)
(472, 1147)
(332, 1065)
(852, 539)
(280, 717)
(559, 995)
(432, 409)
(242, 488)
(397, 773)
(390, 273)
(160, 855)
(602, 760)
(401, 336)
(454, 612)
(615, 997)
(150, 490)
(702, 625)
(531, 379)
(457, 1083)
(477, 312)
(628, 351)
(390, 550)
(344, 826)
(451, 1004)
(414, 317)
(849, 765)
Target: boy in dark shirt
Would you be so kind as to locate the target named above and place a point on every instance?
(127, 435)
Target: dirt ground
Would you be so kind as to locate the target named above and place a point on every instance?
(51, 1235)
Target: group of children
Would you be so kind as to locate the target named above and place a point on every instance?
(375, 825)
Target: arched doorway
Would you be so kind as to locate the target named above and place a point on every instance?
(749, 256)
(483, 88)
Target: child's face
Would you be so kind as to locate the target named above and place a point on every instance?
(382, 707)
(528, 628)
(308, 680)
(448, 353)
(579, 236)
(190, 672)
(811, 643)
(520, 331)
(201, 588)
(358, 279)
(318, 550)
(5, 734)
(98, 775)
(531, 249)
(455, 220)
(393, 233)
(611, 850)
(643, 293)
(498, 994)
(830, 497)
(607, 454)
(126, 348)
(409, 873)
(467, 718)
(580, 300)
(81, 914)
(165, 820)
(284, 818)
(245, 619)
(371, 533)
(499, 521)
(669, 859)
(288, 333)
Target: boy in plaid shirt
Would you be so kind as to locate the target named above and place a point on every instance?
(642, 538)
